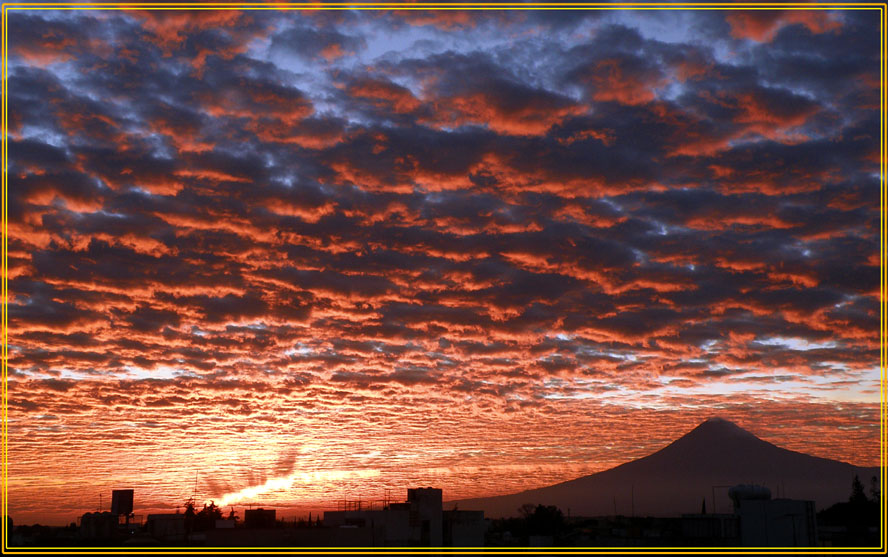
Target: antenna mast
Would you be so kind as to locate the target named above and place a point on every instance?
(633, 500)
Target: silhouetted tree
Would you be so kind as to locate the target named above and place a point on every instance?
(190, 516)
(544, 520)
(207, 517)
(526, 510)
(875, 493)
(857, 494)
(858, 518)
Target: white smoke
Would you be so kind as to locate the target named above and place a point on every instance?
(289, 481)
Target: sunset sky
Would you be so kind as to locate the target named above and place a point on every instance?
(322, 254)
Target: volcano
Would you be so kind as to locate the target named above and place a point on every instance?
(676, 479)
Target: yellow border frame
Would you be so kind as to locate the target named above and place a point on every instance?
(883, 266)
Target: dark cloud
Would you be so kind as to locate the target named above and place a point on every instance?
(316, 43)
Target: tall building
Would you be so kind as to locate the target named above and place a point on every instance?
(419, 521)
(426, 512)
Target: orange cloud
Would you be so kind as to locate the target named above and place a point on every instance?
(762, 26)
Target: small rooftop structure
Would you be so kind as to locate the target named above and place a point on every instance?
(121, 502)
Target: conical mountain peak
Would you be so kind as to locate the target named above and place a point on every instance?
(671, 481)
(719, 420)
(717, 431)
(718, 427)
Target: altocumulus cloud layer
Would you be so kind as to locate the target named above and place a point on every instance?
(480, 250)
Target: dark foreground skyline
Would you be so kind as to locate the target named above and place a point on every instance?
(303, 253)
(754, 520)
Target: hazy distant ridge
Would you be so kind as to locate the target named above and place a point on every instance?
(675, 479)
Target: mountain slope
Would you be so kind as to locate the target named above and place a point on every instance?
(675, 479)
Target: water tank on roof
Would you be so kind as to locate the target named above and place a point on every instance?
(121, 501)
(748, 492)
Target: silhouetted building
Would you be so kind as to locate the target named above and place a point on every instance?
(119, 523)
(540, 541)
(122, 502)
(711, 529)
(777, 523)
(463, 528)
(420, 521)
(426, 510)
(166, 526)
(260, 518)
(766, 522)
(225, 523)
(98, 525)
(287, 537)
(605, 531)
